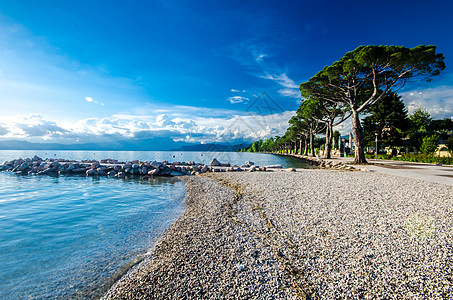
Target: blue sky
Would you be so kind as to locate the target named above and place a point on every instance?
(84, 71)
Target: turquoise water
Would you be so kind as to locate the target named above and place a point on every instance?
(71, 236)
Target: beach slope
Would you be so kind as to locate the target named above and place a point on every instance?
(308, 234)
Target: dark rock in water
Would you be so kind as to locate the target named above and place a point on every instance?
(78, 170)
(262, 168)
(91, 172)
(24, 166)
(249, 163)
(117, 168)
(166, 172)
(111, 173)
(135, 166)
(215, 162)
(101, 173)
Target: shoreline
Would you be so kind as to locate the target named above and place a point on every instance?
(274, 234)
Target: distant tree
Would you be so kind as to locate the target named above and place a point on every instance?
(420, 120)
(441, 125)
(429, 144)
(363, 76)
(329, 113)
(388, 119)
(311, 117)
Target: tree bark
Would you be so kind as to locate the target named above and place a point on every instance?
(306, 146)
(295, 147)
(312, 146)
(328, 148)
(359, 151)
(300, 146)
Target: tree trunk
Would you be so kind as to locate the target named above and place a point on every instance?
(312, 146)
(329, 132)
(295, 147)
(300, 146)
(359, 151)
(306, 146)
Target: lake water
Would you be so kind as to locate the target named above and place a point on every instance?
(72, 236)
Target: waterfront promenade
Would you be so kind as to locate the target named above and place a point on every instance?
(429, 172)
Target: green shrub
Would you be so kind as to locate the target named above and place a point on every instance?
(429, 144)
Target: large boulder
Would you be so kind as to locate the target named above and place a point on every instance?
(215, 163)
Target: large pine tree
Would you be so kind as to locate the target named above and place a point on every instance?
(388, 119)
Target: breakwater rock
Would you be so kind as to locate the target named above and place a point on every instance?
(325, 163)
(115, 168)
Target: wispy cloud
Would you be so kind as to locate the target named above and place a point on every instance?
(291, 89)
(260, 57)
(237, 99)
(282, 79)
(251, 55)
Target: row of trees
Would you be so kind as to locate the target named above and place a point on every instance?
(360, 82)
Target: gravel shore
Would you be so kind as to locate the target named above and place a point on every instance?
(311, 234)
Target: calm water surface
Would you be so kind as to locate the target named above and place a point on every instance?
(71, 237)
(237, 158)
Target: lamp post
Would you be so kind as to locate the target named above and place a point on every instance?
(376, 152)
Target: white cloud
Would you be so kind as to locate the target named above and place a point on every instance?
(234, 91)
(235, 127)
(163, 120)
(260, 57)
(89, 99)
(438, 101)
(237, 99)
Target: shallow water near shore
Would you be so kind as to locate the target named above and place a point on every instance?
(71, 237)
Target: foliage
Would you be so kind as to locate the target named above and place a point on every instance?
(388, 119)
(363, 76)
(420, 119)
(429, 144)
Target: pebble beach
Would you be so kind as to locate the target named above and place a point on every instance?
(310, 234)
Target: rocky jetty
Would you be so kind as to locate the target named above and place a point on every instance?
(325, 163)
(115, 168)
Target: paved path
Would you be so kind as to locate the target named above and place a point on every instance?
(429, 172)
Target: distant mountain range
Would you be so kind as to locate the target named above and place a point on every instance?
(153, 144)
